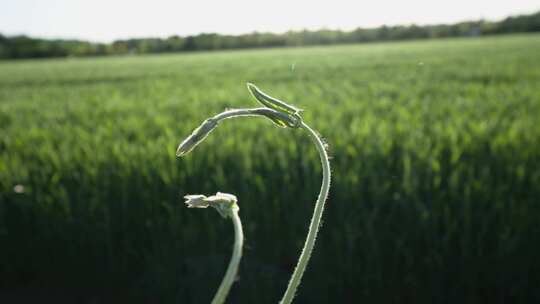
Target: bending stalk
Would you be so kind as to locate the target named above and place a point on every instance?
(210, 124)
(283, 115)
(232, 270)
(315, 220)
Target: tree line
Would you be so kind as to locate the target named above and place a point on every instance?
(15, 47)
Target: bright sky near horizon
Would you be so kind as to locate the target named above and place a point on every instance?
(107, 20)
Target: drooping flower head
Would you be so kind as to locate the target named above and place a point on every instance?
(224, 203)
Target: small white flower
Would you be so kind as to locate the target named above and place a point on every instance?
(18, 188)
(222, 202)
(196, 201)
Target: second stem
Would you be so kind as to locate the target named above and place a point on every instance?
(315, 220)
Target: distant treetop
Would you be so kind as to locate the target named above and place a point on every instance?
(26, 47)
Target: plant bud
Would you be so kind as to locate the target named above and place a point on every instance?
(271, 102)
(196, 137)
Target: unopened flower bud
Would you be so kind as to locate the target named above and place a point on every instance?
(271, 102)
(196, 137)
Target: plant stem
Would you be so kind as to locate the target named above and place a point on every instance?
(285, 120)
(232, 270)
(241, 112)
(315, 220)
(282, 120)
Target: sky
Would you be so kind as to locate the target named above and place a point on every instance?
(107, 20)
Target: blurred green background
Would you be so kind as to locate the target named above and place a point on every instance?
(435, 150)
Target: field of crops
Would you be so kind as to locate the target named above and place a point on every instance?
(435, 151)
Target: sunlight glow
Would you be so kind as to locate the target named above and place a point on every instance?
(105, 20)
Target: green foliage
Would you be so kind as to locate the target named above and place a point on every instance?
(25, 47)
(436, 163)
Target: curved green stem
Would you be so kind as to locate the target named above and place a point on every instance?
(315, 220)
(282, 120)
(232, 270)
(210, 124)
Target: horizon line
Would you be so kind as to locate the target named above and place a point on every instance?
(109, 41)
